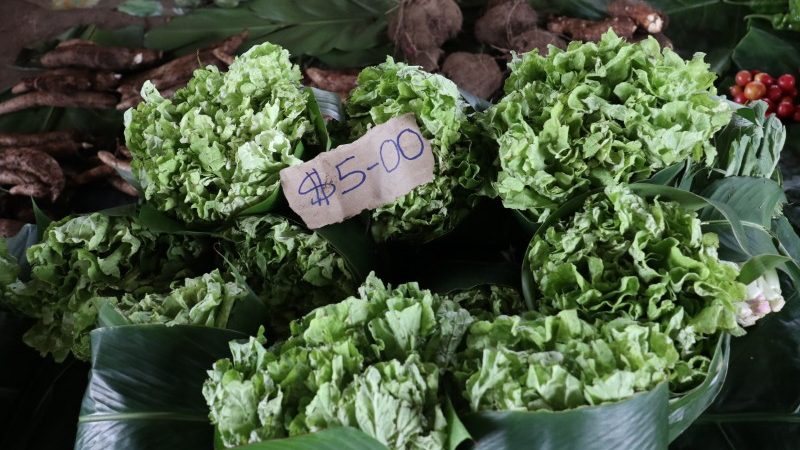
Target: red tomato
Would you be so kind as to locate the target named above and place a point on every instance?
(774, 93)
(785, 110)
(755, 90)
(736, 90)
(743, 77)
(764, 78)
(796, 115)
(770, 104)
(786, 82)
(787, 99)
(741, 99)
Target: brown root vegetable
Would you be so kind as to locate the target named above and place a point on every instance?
(68, 80)
(591, 30)
(505, 21)
(45, 138)
(339, 81)
(420, 27)
(10, 227)
(176, 73)
(536, 39)
(42, 175)
(648, 18)
(95, 173)
(476, 73)
(111, 161)
(85, 54)
(98, 100)
(122, 185)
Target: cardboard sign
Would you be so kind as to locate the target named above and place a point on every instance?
(389, 161)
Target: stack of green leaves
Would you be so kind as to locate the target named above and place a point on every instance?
(84, 257)
(292, 270)
(621, 256)
(372, 362)
(206, 300)
(216, 148)
(558, 362)
(392, 89)
(597, 114)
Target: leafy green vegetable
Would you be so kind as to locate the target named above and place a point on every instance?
(490, 301)
(292, 270)
(215, 148)
(205, 300)
(371, 362)
(84, 257)
(392, 89)
(751, 144)
(561, 362)
(9, 269)
(622, 256)
(596, 114)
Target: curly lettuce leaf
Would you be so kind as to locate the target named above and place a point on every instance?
(649, 261)
(372, 362)
(292, 270)
(560, 362)
(85, 257)
(597, 114)
(217, 147)
(392, 89)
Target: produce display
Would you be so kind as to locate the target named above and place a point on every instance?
(606, 254)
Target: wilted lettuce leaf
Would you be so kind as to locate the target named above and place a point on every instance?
(599, 113)
(9, 269)
(83, 257)
(392, 89)
(217, 146)
(291, 269)
(646, 260)
(372, 362)
(205, 300)
(534, 362)
(751, 144)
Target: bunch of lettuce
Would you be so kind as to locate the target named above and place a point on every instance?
(216, 148)
(292, 270)
(85, 257)
(372, 362)
(596, 114)
(558, 362)
(489, 301)
(206, 300)
(392, 89)
(622, 256)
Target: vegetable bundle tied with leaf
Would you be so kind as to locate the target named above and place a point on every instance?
(82, 259)
(392, 89)
(597, 114)
(216, 148)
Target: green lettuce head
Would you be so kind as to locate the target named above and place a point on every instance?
(206, 300)
(371, 362)
(597, 114)
(85, 257)
(645, 260)
(392, 89)
(216, 148)
(292, 270)
(560, 362)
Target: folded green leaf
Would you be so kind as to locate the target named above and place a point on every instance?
(145, 387)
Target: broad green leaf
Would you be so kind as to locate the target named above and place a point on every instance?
(666, 175)
(18, 246)
(685, 409)
(457, 433)
(141, 8)
(330, 439)
(768, 50)
(109, 316)
(354, 243)
(329, 104)
(757, 407)
(206, 25)
(316, 115)
(145, 387)
(752, 199)
(640, 422)
(757, 265)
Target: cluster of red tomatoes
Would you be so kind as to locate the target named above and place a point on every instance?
(779, 93)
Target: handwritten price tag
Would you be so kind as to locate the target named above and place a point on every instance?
(389, 161)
